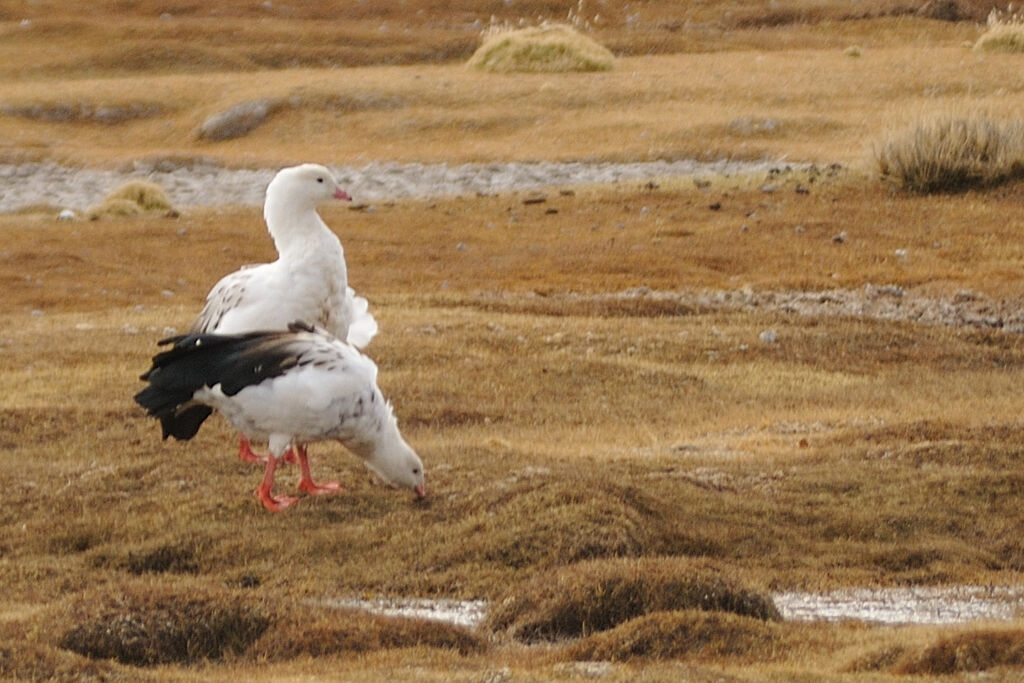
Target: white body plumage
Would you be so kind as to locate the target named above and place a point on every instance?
(308, 281)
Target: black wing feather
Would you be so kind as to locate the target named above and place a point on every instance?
(194, 361)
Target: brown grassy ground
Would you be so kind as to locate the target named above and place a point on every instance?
(558, 431)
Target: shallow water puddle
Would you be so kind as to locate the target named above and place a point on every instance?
(913, 605)
(469, 613)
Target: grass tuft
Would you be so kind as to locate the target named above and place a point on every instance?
(595, 596)
(149, 196)
(968, 652)
(30, 661)
(1005, 32)
(150, 624)
(132, 198)
(953, 154)
(321, 632)
(663, 635)
(548, 48)
(113, 208)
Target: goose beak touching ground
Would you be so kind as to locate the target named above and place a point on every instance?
(287, 388)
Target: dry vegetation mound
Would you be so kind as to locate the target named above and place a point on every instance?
(968, 652)
(595, 596)
(540, 521)
(663, 635)
(322, 632)
(148, 625)
(547, 48)
(133, 198)
(953, 154)
(1005, 32)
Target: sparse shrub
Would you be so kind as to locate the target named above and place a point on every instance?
(952, 154)
(599, 595)
(551, 48)
(1005, 32)
(977, 651)
(319, 632)
(663, 635)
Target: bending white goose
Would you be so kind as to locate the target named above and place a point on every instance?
(290, 388)
(308, 281)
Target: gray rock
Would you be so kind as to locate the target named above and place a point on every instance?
(237, 121)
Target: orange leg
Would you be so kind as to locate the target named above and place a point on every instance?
(307, 484)
(263, 491)
(246, 454)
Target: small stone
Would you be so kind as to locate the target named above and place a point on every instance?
(769, 336)
(66, 215)
(840, 238)
(237, 121)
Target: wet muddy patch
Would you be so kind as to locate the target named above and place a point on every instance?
(936, 605)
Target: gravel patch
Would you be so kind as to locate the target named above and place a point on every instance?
(872, 301)
(201, 183)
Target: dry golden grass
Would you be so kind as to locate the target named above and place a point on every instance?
(548, 48)
(953, 153)
(1005, 32)
(850, 452)
(588, 597)
(568, 430)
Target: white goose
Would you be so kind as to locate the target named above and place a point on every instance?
(289, 388)
(308, 281)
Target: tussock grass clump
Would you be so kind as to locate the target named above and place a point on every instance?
(176, 558)
(538, 521)
(953, 154)
(319, 632)
(595, 596)
(148, 196)
(132, 198)
(1005, 32)
(30, 661)
(548, 48)
(967, 652)
(146, 625)
(113, 208)
(662, 635)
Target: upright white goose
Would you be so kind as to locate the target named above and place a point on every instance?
(288, 388)
(308, 281)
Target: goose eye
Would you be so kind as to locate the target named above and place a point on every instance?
(415, 470)
(319, 180)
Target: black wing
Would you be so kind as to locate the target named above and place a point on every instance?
(194, 361)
